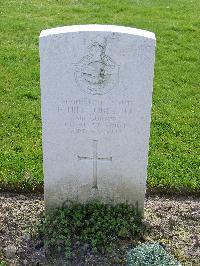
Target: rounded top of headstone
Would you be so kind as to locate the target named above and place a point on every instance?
(100, 28)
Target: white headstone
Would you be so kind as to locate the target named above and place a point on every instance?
(96, 85)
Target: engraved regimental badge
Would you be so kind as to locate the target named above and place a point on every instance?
(96, 73)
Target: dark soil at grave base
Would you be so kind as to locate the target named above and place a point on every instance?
(172, 221)
(151, 191)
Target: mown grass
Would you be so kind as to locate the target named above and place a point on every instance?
(174, 144)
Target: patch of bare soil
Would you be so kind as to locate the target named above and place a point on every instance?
(174, 222)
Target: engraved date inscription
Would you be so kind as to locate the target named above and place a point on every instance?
(85, 116)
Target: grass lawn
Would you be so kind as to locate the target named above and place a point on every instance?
(174, 144)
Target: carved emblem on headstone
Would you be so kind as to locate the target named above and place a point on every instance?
(96, 73)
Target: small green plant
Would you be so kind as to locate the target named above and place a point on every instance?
(92, 226)
(150, 255)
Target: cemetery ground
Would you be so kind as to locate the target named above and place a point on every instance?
(174, 144)
(172, 222)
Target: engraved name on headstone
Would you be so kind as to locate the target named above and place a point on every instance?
(96, 87)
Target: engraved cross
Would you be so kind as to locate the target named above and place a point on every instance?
(95, 159)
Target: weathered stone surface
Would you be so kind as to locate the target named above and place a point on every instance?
(96, 85)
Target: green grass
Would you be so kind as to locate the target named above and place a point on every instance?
(174, 147)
